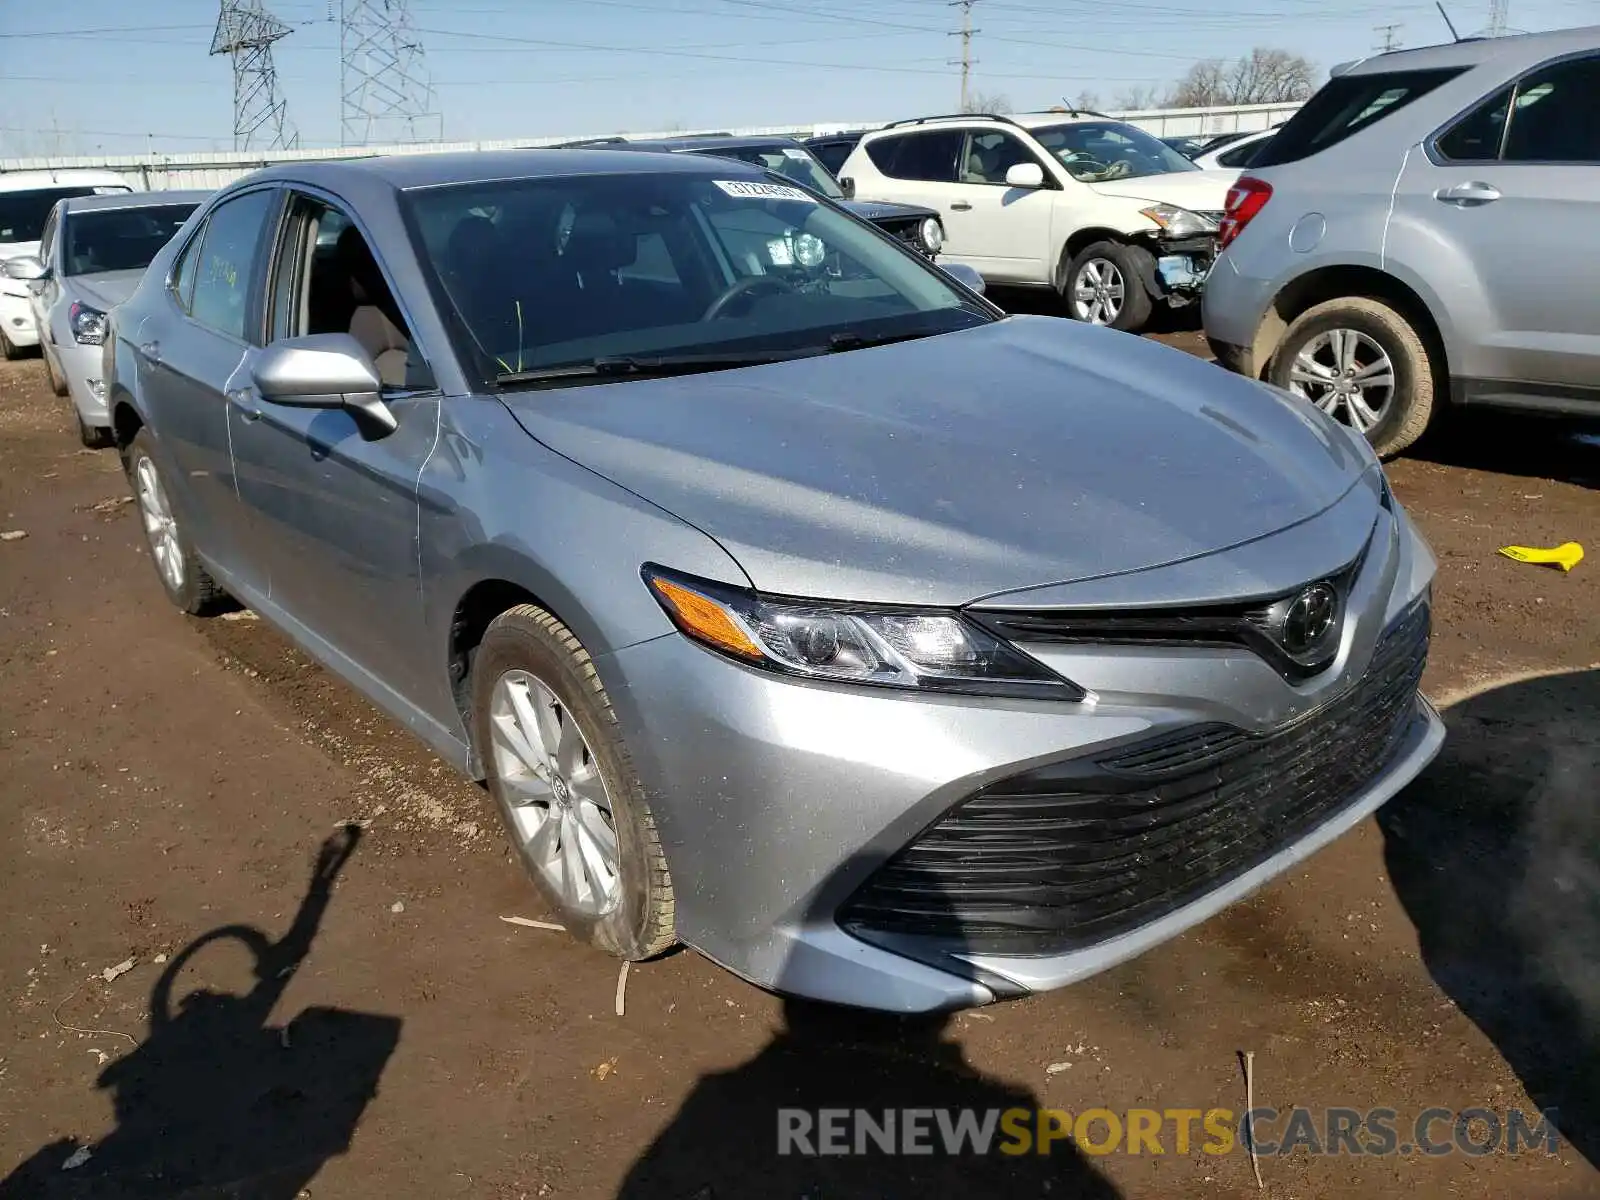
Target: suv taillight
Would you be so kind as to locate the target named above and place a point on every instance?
(1246, 198)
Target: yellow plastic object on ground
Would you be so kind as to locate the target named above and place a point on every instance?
(1566, 556)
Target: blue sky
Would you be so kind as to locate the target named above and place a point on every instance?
(509, 68)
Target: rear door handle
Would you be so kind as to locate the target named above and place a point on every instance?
(961, 206)
(1472, 192)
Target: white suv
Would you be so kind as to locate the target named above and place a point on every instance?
(1113, 219)
(26, 198)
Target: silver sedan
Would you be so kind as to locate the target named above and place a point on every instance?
(793, 601)
(92, 254)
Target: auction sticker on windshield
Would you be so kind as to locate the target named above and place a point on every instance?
(762, 191)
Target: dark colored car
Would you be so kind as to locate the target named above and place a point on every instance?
(1189, 146)
(832, 149)
(916, 226)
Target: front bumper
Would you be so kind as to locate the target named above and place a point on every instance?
(83, 369)
(778, 802)
(16, 320)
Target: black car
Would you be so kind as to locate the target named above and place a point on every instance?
(920, 228)
(832, 149)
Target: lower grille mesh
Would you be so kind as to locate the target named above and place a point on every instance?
(1077, 852)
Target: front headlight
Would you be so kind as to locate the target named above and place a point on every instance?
(932, 234)
(918, 649)
(88, 324)
(1178, 222)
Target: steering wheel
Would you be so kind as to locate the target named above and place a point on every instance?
(750, 285)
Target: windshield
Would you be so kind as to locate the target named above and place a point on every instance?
(119, 239)
(22, 214)
(792, 161)
(561, 272)
(1097, 151)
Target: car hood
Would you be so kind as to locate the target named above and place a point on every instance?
(949, 468)
(882, 210)
(1198, 191)
(105, 289)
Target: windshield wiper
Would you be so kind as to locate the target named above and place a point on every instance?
(647, 366)
(849, 339)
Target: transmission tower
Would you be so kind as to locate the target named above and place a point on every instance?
(1390, 39)
(245, 33)
(383, 76)
(1499, 15)
(966, 60)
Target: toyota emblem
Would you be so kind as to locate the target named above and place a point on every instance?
(1310, 618)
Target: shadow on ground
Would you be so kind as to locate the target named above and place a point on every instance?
(215, 1103)
(1495, 853)
(724, 1142)
(1534, 447)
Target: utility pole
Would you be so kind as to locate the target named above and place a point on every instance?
(245, 33)
(966, 60)
(1499, 17)
(1390, 41)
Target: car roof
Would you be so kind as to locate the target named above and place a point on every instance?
(123, 200)
(1474, 52)
(406, 171)
(29, 181)
(684, 145)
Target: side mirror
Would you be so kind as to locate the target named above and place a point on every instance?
(1025, 175)
(848, 187)
(324, 370)
(25, 267)
(967, 276)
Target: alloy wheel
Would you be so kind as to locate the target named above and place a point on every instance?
(1098, 291)
(160, 526)
(1346, 374)
(551, 785)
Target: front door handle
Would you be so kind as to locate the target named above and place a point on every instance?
(241, 399)
(961, 206)
(1473, 192)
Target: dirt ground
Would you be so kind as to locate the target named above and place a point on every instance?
(366, 1025)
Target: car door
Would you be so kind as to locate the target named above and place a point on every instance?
(334, 506)
(191, 351)
(1003, 231)
(1512, 188)
(43, 293)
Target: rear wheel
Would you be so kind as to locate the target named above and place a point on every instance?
(1362, 363)
(187, 582)
(566, 787)
(1105, 286)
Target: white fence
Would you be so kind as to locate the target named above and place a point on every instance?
(210, 170)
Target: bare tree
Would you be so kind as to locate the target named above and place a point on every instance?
(988, 102)
(1134, 98)
(1264, 76)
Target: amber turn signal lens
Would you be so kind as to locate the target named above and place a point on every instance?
(705, 619)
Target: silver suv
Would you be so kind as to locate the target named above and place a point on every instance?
(1417, 234)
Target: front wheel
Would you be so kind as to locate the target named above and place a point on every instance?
(566, 787)
(1362, 363)
(1105, 286)
(9, 350)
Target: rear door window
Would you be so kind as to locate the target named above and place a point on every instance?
(1554, 117)
(1345, 106)
(929, 155)
(1476, 137)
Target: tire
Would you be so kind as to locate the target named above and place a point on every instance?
(58, 385)
(8, 351)
(190, 587)
(1122, 269)
(524, 649)
(1318, 334)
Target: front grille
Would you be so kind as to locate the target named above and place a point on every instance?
(1083, 850)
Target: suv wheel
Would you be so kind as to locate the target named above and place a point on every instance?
(1104, 285)
(1362, 363)
(566, 787)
